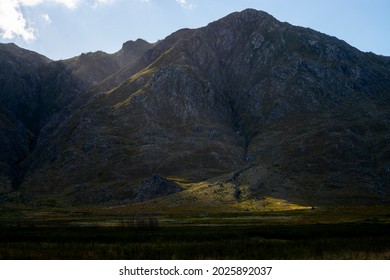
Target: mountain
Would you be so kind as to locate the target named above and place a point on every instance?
(24, 102)
(243, 113)
(33, 89)
(93, 68)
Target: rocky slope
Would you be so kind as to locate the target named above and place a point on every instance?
(260, 108)
(93, 68)
(33, 89)
(24, 102)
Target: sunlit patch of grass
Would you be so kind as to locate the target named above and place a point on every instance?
(184, 183)
(269, 204)
(145, 73)
(215, 196)
(128, 100)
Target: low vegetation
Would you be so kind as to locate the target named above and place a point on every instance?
(112, 234)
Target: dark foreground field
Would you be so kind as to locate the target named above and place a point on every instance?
(146, 238)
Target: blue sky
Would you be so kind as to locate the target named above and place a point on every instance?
(65, 28)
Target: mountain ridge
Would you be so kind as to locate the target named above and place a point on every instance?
(270, 109)
(34, 90)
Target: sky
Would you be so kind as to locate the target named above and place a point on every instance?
(62, 29)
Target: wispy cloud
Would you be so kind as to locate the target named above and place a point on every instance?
(186, 4)
(46, 18)
(13, 23)
(98, 3)
(70, 4)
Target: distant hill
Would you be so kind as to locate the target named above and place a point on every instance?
(245, 112)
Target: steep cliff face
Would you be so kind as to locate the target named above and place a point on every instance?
(20, 108)
(33, 89)
(266, 108)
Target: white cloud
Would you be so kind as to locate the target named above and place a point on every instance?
(185, 4)
(98, 3)
(46, 18)
(71, 4)
(29, 2)
(13, 23)
(104, 1)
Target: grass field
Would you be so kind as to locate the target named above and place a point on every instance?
(114, 235)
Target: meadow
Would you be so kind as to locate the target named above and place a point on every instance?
(112, 235)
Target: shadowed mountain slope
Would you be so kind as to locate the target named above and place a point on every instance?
(261, 108)
(33, 89)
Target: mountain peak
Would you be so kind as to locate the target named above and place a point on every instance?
(249, 15)
(254, 13)
(131, 51)
(15, 50)
(135, 45)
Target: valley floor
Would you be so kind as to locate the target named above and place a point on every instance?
(354, 233)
